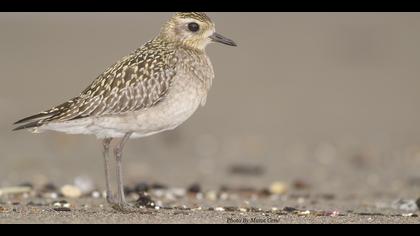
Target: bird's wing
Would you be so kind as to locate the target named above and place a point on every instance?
(138, 81)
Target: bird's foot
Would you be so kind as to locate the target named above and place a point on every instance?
(111, 199)
(124, 207)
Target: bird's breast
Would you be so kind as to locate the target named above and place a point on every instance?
(182, 100)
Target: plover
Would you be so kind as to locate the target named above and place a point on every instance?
(154, 89)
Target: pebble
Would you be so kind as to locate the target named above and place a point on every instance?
(243, 209)
(49, 187)
(304, 213)
(327, 213)
(418, 203)
(199, 196)
(211, 196)
(231, 209)
(219, 209)
(62, 206)
(62, 209)
(224, 196)
(96, 194)
(51, 195)
(405, 205)
(158, 193)
(278, 188)
(409, 215)
(178, 192)
(300, 185)
(2, 209)
(71, 191)
(15, 190)
(194, 188)
(84, 184)
(290, 209)
(145, 200)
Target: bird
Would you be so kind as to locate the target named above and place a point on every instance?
(154, 89)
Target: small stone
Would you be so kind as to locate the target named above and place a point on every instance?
(278, 188)
(405, 205)
(49, 187)
(96, 194)
(199, 196)
(62, 206)
(219, 209)
(159, 193)
(62, 209)
(418, 203)
(265, 192)
(304, 213)
(71, 191)
(14, 190)
(290, 209)
(84, 183)
(231, 209)
(224, 196)
(300, 185)
(211, 196)
(301, 200)
(52, 195)
(243, 209)
(194, 189)
(145, 201)
(178, 192)
(409, 215)
(327, 213)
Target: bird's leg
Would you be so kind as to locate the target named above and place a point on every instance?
(109, 195)
(122, 204)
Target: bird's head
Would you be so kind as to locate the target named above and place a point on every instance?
(193, 29)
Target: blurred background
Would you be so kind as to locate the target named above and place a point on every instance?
(331, 99)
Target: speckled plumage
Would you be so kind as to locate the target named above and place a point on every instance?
(131, 87)
(154, 89)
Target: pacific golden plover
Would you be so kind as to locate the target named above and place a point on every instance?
(154, 89)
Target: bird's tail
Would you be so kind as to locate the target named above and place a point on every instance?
(33, 121)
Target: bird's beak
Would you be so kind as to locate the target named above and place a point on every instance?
(218, 38)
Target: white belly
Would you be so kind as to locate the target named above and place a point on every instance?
(182, 100)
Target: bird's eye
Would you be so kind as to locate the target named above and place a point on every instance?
(193, 27)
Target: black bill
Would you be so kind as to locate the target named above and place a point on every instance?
(218, 38)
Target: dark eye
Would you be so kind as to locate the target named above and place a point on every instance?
(193, 27)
